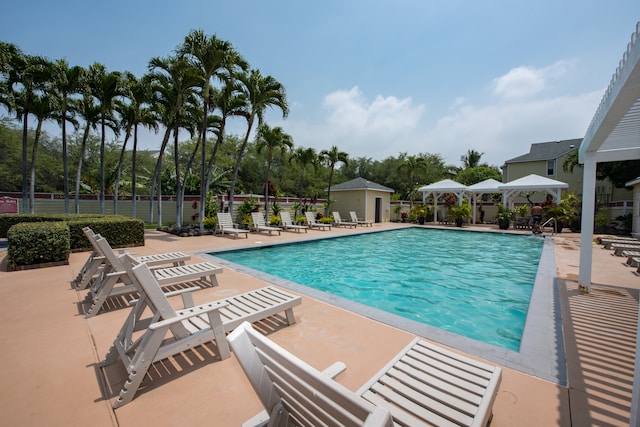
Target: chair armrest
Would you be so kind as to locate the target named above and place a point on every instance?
(334, 370)
(187, 299)
(188, 313)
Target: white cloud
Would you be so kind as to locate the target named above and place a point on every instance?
(505, 130)
(362, 128)
(525, 82)
(530, 106)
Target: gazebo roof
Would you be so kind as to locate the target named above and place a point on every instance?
(444, 186)
(487, 186)
(533, 182)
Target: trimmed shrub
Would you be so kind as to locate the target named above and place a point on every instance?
(37, 243)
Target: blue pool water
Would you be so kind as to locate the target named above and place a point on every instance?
(473, 284)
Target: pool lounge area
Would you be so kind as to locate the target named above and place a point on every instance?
(541, 353)
(51, 352)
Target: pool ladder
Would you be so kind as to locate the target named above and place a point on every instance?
(555, 225)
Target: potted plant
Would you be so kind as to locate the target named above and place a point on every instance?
(460, 213)
(421, 212)
(571, 211)
(504, 216)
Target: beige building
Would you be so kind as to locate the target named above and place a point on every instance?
(546, 159)
(370, 201)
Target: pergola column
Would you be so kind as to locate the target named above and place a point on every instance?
(588, 210)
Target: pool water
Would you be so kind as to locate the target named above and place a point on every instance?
(474, 284)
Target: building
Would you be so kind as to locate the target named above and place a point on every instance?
(547, 159)
(370, 201)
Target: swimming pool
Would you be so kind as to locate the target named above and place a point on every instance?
(477, 285)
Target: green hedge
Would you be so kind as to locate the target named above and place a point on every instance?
(37, 239)
(37, 243)
(8, 221)
(120, 231)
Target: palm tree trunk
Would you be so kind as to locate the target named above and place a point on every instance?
(237, 166)
(119, 171)
(65, 163)
(83, 147)
(32, 182)
(102, 143)
(157, 178)
(134, 213)
(25, 132)
(178, 183)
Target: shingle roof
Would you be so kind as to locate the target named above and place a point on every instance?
(547, 150)
(360, 184)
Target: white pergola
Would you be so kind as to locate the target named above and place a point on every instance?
(613, 135)
(439, 188)
(488, 186)
(531, 182)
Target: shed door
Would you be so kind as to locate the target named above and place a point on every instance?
(378, 214)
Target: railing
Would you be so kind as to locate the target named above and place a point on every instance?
(555, 224)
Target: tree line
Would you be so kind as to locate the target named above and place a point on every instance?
(192, 91)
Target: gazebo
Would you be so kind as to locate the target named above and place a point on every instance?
(487, 186)
(531, 182)
(438, 189)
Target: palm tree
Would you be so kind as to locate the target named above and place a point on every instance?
(214, 58)
(66, 82)
(261, 93)
(330, 158)
(90, 113)
(105, 87)
(175, 81)
(411, 166)
(43, 109)
(305, 157)
(231, 102)
(471, 159)
(269, 140)
(29, 74)
(140, 98)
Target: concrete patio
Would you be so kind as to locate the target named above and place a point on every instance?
(50, 351)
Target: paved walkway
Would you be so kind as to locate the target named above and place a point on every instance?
(50, 351)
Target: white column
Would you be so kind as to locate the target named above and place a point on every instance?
(586, 229)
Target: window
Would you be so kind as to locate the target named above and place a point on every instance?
(551, 167)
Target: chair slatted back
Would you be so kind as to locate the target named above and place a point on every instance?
(225, 220)
(308, 396)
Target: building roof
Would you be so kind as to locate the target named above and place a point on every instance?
(360, 184)
(547, 150)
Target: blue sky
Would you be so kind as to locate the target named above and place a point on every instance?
(374, 78)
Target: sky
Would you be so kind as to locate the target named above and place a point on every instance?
(374, 78)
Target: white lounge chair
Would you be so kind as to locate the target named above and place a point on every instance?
(114, 279)
(96, 261)
(313, 223)
(287, 223)
(226, 225)
(423, 385)
(606, 242)
(259, 224)
(618, 248)
(355, 219)
(143, 341)
(338, 222)
(632, 256)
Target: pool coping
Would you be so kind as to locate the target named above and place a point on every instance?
(541, 349)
